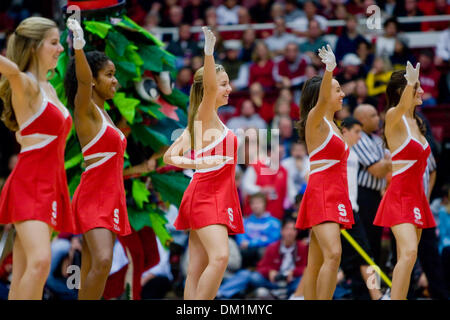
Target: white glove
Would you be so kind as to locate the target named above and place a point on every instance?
(77, 31)
(412, 74)
(210, 40)
(328, 58)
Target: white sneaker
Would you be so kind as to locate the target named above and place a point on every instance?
(293, 297)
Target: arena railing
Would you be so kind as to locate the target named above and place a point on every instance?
(416, 39)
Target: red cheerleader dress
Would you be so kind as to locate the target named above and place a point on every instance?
(326, 195)
(211, 196)
(99, 200)
(37, 187)
(405, 200)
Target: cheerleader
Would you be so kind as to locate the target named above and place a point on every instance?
(325, 206)
(210, 206)
(404, 207)
(98, 204)
(35, 197)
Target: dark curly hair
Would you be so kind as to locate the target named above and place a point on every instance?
(394, 91)
(96, 61)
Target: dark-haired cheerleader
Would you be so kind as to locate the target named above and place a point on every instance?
(325, 206)
(99, 204)
(404, 207)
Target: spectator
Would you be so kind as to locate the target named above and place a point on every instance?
(349, 73)
(443, 48)
(281, 267)
(287, 134)
(248, 118)
(276, 11)
(314, 39)
(270, 178)
(326, 9)
(282, 109)
(280, 38)
(378, 77)
(360, 96)
(220, 50)
(185, 47)
(261, 68)
(385, 44)
(263, 107)
(248, 45)
(390, 7)
(196, 9)
(349, 40)
(292, 12)
(289, 72)
(300, 25)
(356, 7)
(374, 165)
(297, 166)
(429, 78)
(244, 16)
(184, 80)
(211, 17)
(231, 63)
(402, 54)
(261, 229)
(434, 8)
(364, 53)
(345, 112)
(196, 63)
(286, 95)
(410, 9)
(157, 280)
(340, 13)
(441, 207)
(65, 252)
(442, 61)
(151, 23)
(260, 12)
(227, 13)
(428, 252)
(175, 17)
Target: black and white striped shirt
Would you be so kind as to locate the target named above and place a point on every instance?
(431, 166)
(370, 150)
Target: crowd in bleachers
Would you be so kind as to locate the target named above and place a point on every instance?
(267, 68)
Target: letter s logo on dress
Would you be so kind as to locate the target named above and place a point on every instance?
(342, 211)
(230, 214)
(116, 216)
(417, 214)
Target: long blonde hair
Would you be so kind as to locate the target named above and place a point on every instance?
(28, 35)
(195, 98)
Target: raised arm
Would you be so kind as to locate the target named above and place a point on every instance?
(177, 156)
(18, 80)
(406, 100)
(208, 105)
(82, 69)
(318, 112)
